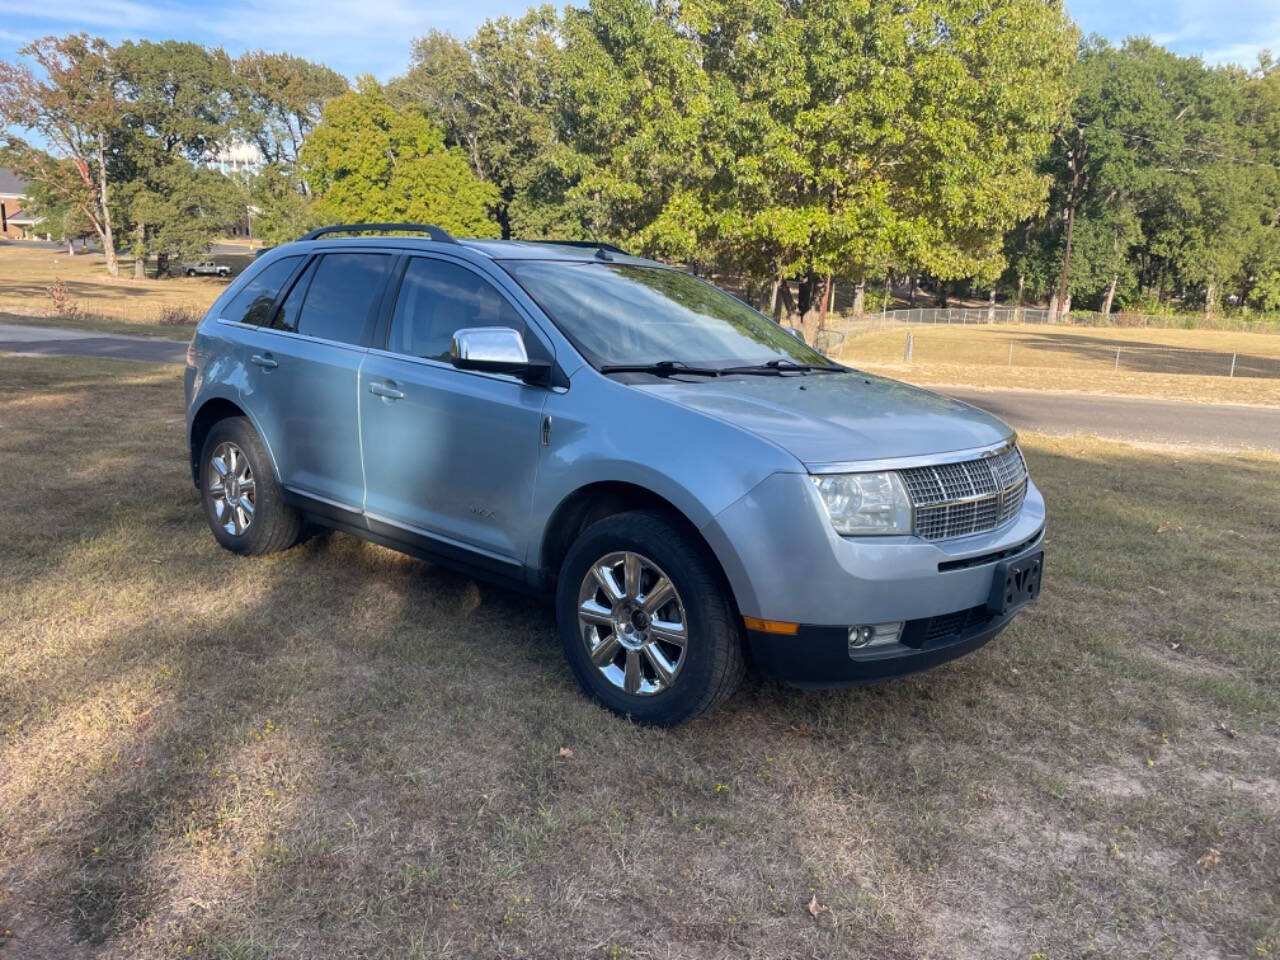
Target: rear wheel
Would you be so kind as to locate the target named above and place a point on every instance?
(646, 620)
(242, 501)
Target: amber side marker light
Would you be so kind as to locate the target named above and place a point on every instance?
(771, 626)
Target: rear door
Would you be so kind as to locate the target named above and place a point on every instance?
(308, 369)
(449, 453)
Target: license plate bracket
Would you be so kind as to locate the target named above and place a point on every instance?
(1016, 583)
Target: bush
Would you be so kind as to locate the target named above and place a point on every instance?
(178, 315)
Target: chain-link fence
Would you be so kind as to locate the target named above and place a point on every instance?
(1045, 348)
(972, 316)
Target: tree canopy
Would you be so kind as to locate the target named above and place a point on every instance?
(977, 141)
(369, 161)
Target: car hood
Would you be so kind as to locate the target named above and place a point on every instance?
(824, 418)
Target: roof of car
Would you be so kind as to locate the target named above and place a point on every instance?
(490, 249)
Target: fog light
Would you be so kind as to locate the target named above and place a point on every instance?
(870, 635)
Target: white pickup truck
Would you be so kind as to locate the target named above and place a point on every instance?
(207, 268)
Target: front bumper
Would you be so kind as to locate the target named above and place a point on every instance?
(820, 657)
(785, 562)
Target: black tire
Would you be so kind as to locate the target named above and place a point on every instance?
(275, 525)
(191, 273)
(714, 664)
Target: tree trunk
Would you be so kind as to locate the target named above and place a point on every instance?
(1210, 294)
(1111, 295)
(915, 283)
(826, 303)
(162, 266)
(104, 229)
(139, 258)
(1077, 157)
(788, 304)
(943, 286)
(859, 299)
(71, 247)
(809, 307)
(1066, 307)
(1053, 308)
(991, 306)
(773, 298)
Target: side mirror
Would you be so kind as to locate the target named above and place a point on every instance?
(496, 350)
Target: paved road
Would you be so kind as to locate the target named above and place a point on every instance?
(44, 341)
(1223, 426)
(1219, 426)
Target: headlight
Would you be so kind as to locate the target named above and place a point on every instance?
(865, 503)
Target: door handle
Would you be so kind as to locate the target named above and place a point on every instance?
(386, 391)
(264, 360)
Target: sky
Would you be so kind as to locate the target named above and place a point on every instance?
(374, 36)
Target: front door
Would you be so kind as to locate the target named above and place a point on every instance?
(448, 453)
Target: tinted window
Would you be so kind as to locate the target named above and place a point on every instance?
(253, 303)
(286, 317)
(438, 298)
(341, 294)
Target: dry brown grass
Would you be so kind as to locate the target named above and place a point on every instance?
(103, 302)
(339, 752)
(1175, 364)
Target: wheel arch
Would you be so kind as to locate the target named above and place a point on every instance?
(211, 411)
(605, 498)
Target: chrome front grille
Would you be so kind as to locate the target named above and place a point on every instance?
(974, 496)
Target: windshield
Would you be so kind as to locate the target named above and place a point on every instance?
(624, 314)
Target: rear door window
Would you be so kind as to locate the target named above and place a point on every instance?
(254, 301)
(286, 317)
(340, 295)
(438, 298)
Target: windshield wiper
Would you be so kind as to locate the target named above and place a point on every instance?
(662, 368)
(783, 365)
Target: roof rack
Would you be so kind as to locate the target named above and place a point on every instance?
(585, 244)
(435, 233)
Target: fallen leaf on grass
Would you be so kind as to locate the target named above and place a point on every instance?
(815, 908)
(1222, 725)
(1210, 859)
(564, 753)
(800, 730)
(140, 760)
(1166, 527)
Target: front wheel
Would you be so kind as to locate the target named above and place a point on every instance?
(646, 620)
(191, 273)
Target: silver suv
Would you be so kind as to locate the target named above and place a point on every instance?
(696, 488)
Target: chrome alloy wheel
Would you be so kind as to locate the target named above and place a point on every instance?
(633, 623)
(231, 488)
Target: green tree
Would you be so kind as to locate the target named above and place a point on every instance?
(281, 211)
(369, 161)
(279, 102)
(177, 110)
(814, 139)
(60, 217)
(74, 109)
(495, 97)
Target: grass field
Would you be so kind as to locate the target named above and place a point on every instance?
(338, 751)
(1177, 364)
(116, 304)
